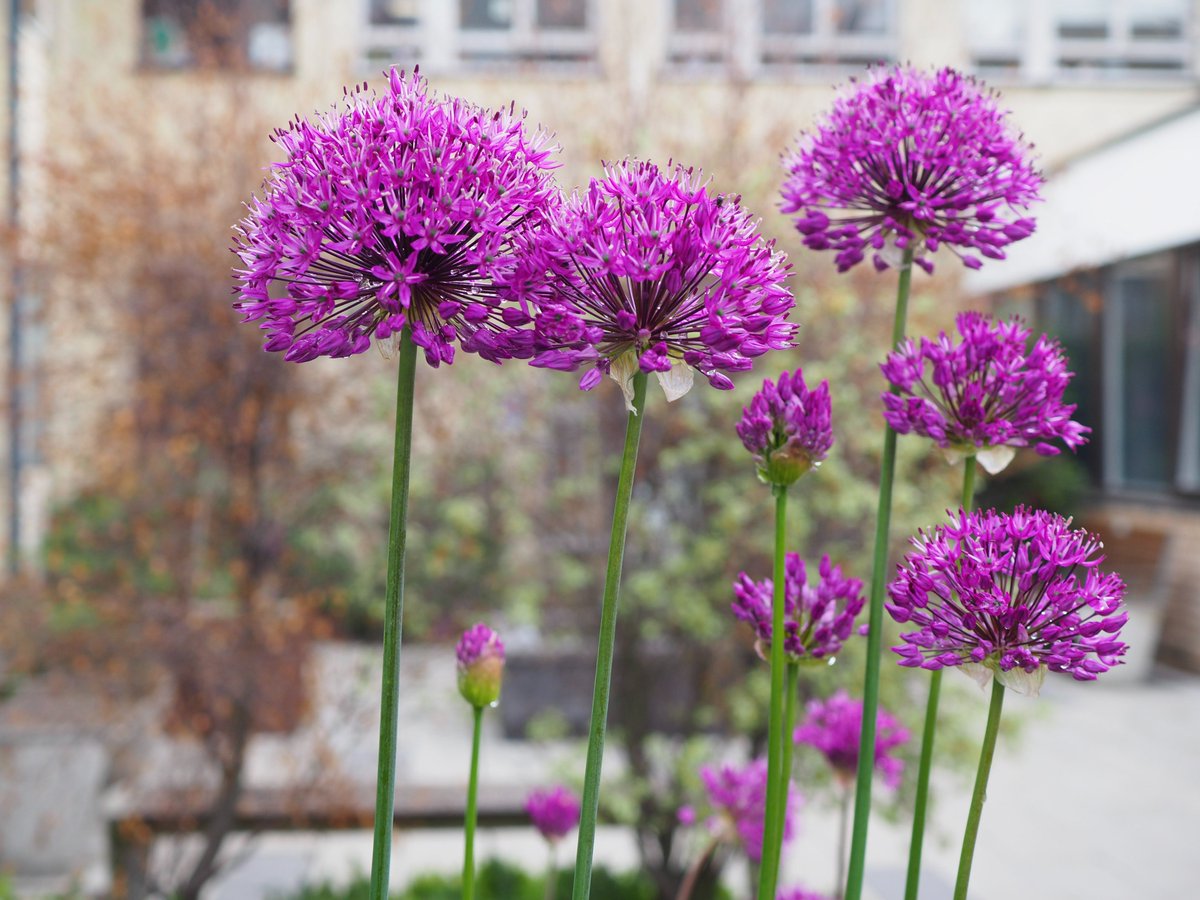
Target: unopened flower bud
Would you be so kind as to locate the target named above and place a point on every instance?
(480, 655)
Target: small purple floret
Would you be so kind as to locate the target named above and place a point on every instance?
(1011, 593)
(908, 159)
(834, 727)
(739, 796)
(989, 389)
(818, 618)
(400, 210)
(478, 642)
(787, 427)
(648, 270)
(554, 812)
(801, 894)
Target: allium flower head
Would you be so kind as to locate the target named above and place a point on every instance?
(912, 159)
(984, 395)
(1009, 595)
(647, 269)
(480, 654)
(787, 427)
(398, 210)
(738, 795)
(818, 618)
(554, 812)
(834, 727)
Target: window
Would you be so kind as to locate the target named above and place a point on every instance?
(1080, 39)
(768, 34)
(226, 34)
(446, 33)
(1132, 332)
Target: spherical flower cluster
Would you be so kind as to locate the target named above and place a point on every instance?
(480, 654)
(787, 427)
(818, 618)
(984, 395)
(738, 795)
(834, 727)
(911, 160)
(648, 270)
(554, 812)
(1009, 595)
(398, 211)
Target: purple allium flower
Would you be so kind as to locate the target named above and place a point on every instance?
(554, 812)
(1010, 595)
(480, 654)
(801, 894)
(818, 618)
(912, 159)
(399, 210)
(739, 795)
(647, 269)
(787, 427)
(985, 395)
(834, 727)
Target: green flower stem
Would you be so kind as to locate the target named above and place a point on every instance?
(468, 876)
(389, 695)
(551, 874)
(768, 872)
(785, 768)
(693, 873)
(915, 846)
(582, 886)
(883, 520)
(980, 792)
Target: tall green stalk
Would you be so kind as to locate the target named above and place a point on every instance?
(883, 520)
(389, 695)
(912, 885)
(980, 792)
(468, 875)
(582, 886)
(785, 768)
(768, 872)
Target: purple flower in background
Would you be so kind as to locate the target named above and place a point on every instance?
(648, 270)
(985, 395)
(1009, 595)
(554, 812)
(911, 160)
(399, 210)
(818, 618)
(801, 894)
(480, 654)
(739, 796)
(834, 726)
(787, 427)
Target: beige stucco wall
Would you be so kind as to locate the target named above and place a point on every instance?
(628, 102)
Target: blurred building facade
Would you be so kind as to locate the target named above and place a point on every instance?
(725, 84)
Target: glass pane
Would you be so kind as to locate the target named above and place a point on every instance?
(393, 12)
(562, 14)
(698, 15)
(862, 16)
(1083, 19)
(1068, 313)
(787, 17)
(486, 14)
(1189, 418)
(1147, 387)
(1158, 19)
